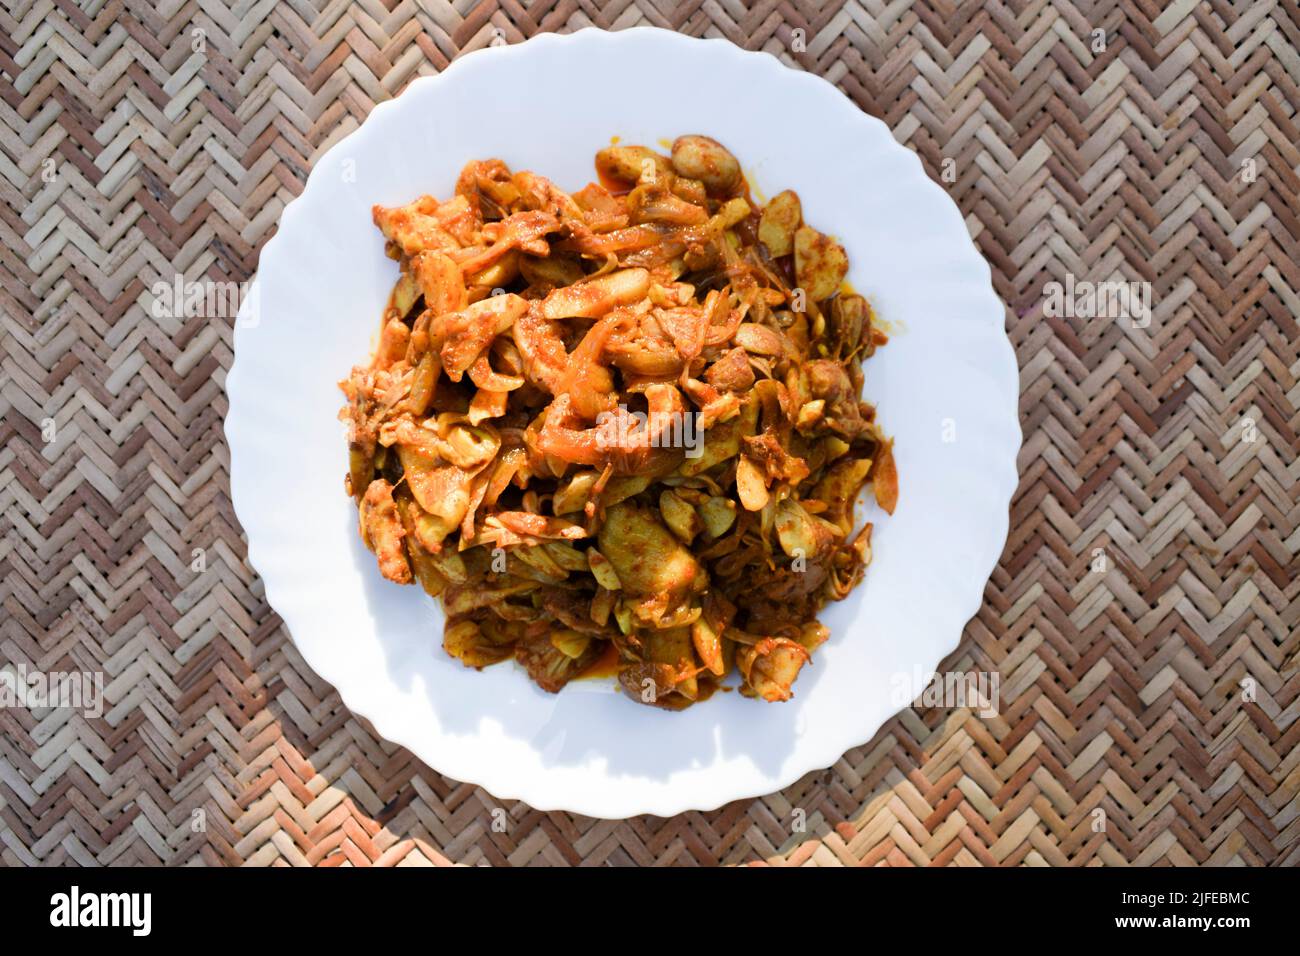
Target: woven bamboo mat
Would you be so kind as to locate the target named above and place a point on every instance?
(1143, 619)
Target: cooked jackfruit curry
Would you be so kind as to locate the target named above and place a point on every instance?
(620, 425)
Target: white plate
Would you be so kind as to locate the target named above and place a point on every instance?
(548, 105)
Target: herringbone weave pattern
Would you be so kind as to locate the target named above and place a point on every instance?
(1144, 615)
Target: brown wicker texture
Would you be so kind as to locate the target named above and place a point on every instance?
(1161, 691)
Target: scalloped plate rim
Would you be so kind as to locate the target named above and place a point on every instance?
(500, 783)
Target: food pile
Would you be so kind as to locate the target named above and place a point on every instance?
(620, 427)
